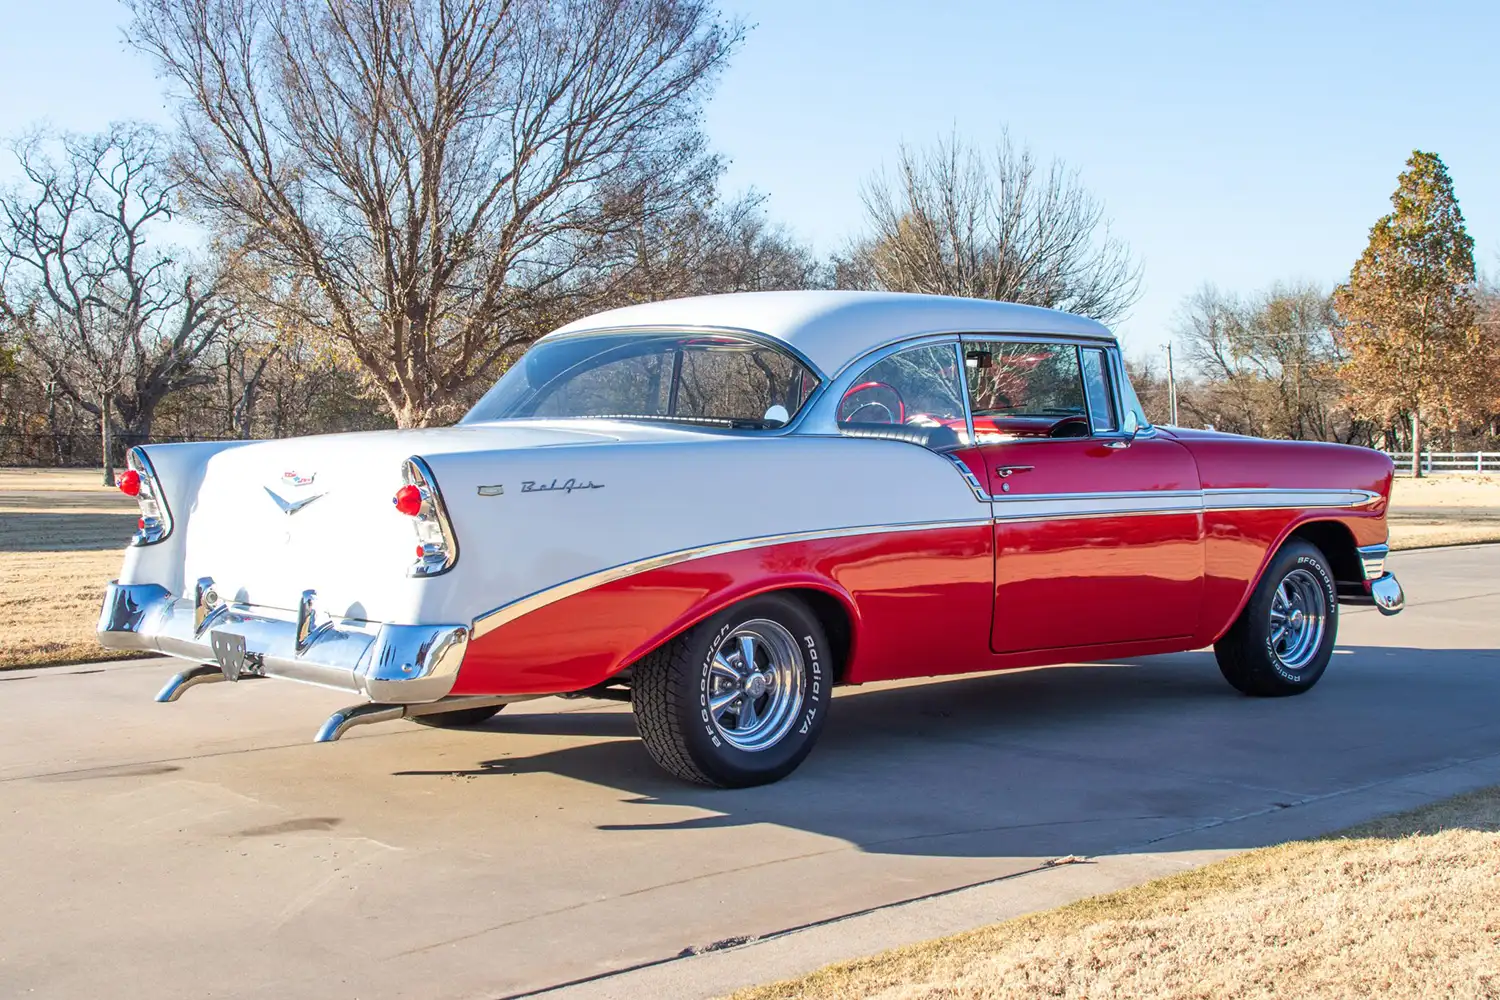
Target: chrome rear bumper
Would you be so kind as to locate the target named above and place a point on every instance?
(393, 664)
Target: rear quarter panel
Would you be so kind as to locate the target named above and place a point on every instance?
(653, 499)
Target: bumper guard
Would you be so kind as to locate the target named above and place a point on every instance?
(1378, 587)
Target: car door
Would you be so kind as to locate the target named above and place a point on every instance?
(1098, 529)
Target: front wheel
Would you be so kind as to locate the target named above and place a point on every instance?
(1283, 640)
(738, 699)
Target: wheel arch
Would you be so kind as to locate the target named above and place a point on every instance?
(830, 604)
(1329, 535)
(1336, 542)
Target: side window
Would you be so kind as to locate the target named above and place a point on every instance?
(639, 383)
(724, 382)
(1020, 390)
(1096, 383)
(918, 386)
(1135, 414)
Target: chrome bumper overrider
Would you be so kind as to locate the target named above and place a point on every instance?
(398, 664)
(1386, 592)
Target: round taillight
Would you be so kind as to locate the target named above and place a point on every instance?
(130, 483)
(408, 500)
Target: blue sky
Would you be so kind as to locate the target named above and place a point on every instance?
(1238, 143)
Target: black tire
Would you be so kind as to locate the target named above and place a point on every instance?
(1248, 654)
(462, 718)
(671, 687)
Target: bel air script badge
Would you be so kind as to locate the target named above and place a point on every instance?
(566, 486)
(297, 479)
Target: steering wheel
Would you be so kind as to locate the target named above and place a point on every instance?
(874, 409)
(1070, 427)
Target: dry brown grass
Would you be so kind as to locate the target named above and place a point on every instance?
(49, 604)
(1427, 536)
(1447, 490)
(62, 536)
(1406, 906)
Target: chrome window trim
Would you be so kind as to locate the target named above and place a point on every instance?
(507, 613)
(963, 392)
(1111, 389)
(1146, 430)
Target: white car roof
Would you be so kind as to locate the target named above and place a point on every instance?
(832, 328)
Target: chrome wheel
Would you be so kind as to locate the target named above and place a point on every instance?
(755, 683)
(1299, 616)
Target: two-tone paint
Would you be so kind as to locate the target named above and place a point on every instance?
(1005, 553)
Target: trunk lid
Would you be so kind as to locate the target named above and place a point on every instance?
(272, 519)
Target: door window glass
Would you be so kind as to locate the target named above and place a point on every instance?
(1022, 390)
(1096, 384)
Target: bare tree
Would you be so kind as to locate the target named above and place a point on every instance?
(954, 221)
(438, 170)
(704, 246)
(104, 308)
(1266, 366)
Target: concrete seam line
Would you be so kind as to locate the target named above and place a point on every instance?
(1314, 800)
(736, 943)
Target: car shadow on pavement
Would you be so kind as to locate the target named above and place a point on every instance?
(1082, 759)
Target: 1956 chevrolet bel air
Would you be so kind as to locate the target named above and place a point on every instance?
(720, 508)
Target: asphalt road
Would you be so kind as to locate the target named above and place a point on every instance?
(206, 848)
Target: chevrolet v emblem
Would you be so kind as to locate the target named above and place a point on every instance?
(291, 506)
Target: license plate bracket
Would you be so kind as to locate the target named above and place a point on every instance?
(229, 653)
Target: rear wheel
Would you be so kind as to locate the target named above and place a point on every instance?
(462, 718)
(1283, 640)
(738, 699)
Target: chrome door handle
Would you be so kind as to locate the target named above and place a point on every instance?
(1006, 471)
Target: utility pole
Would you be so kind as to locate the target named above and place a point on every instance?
(1171, 388)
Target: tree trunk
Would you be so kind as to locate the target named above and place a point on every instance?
(106, 446)
(1416, 443)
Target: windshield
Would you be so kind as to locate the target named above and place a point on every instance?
(712, 379)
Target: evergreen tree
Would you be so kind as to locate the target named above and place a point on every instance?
(1408, 310)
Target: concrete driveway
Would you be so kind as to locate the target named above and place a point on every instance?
(206, 848)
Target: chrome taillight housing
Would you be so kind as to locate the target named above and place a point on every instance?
(156, 518)
(437, 546)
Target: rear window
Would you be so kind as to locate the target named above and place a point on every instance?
(712, 379)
